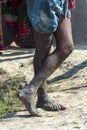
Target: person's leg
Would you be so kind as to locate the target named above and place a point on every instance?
(44, 101)
(63, 37)
(44, 42)
(43, 46)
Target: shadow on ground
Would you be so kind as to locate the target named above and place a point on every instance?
(69, 73)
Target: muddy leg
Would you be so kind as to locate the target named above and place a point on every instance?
(42, 51)
(44, 43)
(66, 44)
(63, 37)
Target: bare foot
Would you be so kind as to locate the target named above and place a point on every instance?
(49, 104)
(28, 99)
(14, 45)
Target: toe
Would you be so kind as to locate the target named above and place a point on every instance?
(62, 108)
(35, 113)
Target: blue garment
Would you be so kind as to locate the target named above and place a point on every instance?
(44, 14)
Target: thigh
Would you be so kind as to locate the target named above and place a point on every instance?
(63, 34)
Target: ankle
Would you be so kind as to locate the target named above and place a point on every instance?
(30, 89)
(42, 97)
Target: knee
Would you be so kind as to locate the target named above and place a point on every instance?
(67, 49)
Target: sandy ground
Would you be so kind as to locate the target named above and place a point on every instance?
(70, 81)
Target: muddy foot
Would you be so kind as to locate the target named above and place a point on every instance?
(28, 100)
(50, 105)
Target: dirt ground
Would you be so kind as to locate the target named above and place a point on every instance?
(70, 81)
